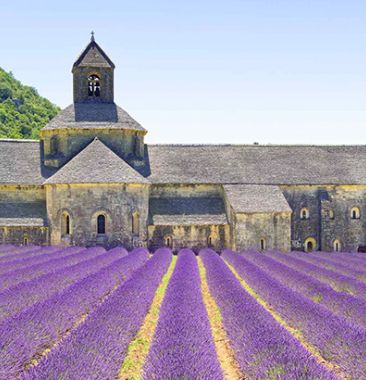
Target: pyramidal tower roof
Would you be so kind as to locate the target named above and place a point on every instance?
(96, 164)
(93, 56)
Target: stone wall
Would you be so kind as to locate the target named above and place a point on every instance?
(325, 228)
(23, 235)
(127, 144)
(22, 193)
(17, 204)
(303, 229)
(83, 203)
(194, 237)
(273, 228)
(80, 78)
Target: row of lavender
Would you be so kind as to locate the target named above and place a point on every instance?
(338, 339)
(263, 348)
(38, 313)
(96, 348)
(344, 304)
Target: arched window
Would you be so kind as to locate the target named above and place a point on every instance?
(355, 213)
(263, 244)
(54, 145)
(65, 224)
(101, 224)
(93, 86)
(135, 223)
(169, 241)
(331, 214)
(337, 247)
(304, 213)
(310, 244)
(209, 241)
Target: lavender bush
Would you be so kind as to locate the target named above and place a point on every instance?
(28, 334)
(183, 346)
(340, 264)
(15, 277)
(339, 281)
(96, 349)
(351, 256)
(342, 304)
(5, 248)
(33, 260)
(24, 251)
(337, 339)
(25, 294)
(263, 348)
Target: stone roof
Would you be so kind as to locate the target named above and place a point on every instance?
(93, 56)
(257, 164)
(96, 164)
(23, 214)
(256, 198)
(187, 211)
(20, 163)
(94, 116)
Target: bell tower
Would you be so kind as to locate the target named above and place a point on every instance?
(93, 74)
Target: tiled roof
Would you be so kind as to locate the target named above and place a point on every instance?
(94, 116)
(22, 214)
(256, 198)
(96, 164)
(257, 164)
(187, 211)
(93, 56)
(20, 163)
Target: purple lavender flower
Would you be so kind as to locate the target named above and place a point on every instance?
(38, 259)
(339, 281)
(41, 326)
(263, 348)
(338, 340)
(183, 346)
(343, 304)
(25, 294)
(96, 349)
(15, 277)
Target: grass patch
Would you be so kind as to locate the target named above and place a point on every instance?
(138, 349)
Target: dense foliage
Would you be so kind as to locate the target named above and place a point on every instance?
(23, 112)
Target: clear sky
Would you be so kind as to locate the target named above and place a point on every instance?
(206, 71)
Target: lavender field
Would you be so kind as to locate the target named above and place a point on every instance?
(90, 313)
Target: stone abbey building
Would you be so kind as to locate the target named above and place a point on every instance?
(92, 180)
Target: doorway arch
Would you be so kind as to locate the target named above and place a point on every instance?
(310, 244)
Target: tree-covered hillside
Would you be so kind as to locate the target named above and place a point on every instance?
(22, 111)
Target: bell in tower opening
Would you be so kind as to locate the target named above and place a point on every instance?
(93, 86)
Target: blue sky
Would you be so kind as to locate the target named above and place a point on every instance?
(268, 71)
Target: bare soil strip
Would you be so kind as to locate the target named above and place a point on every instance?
(296, 333)
(139, 347)
(225, 353)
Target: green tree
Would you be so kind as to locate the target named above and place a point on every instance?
(23, 112)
